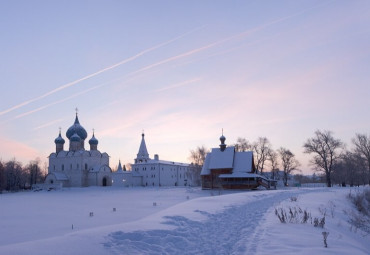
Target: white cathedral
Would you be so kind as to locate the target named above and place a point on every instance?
(79, 167)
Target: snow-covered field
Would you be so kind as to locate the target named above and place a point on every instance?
(175, 221)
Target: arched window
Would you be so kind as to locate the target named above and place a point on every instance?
(85, 166)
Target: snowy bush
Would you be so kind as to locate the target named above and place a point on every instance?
(293, 199)
(317, 222)
(361, 200)
(325, 237)
(360, 218)
(332, 208)
(293, 215)
(322, 210)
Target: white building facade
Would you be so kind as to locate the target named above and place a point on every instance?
(154, 172)
(78, 167)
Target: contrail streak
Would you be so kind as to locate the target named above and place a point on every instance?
(177, 85)
(48, 124)
(98, 72)
(56, 102)
(240, 35)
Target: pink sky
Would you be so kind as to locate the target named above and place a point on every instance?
(182, 71)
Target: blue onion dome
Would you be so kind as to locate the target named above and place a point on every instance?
(76, 128)
(75, 138)
(59, 139)
(93, 140)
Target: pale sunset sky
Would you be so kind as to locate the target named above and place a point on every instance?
(181, 71)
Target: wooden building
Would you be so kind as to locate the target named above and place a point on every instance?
(225, 168)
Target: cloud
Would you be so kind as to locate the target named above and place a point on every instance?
(125, 61)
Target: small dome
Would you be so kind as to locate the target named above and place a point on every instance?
(222, 139)
(93, 140)
(59, 139)
(76, 128)
(75, 138)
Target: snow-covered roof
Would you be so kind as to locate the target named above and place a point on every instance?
(240, 175)
(205, 168)
(165, 162)
(243, 162)
(60, 176)
(239, 162)
(222, 159)
(153, 161)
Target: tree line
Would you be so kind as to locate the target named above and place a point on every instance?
(329, 158)
(15, 177)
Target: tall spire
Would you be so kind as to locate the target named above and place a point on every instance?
(143, 154)
(76, 119)
(119, 169)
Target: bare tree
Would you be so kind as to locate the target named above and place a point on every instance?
(197, 158)
(325, 149)
(349, 170)
(242, 144)
(302, 178)
(288, 162)
(273, 158)
(33, 169)
(127, 167)
(198, 155)
(14, 175)
(2, 177)
(261, 150)
(362, 148)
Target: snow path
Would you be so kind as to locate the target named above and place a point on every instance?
(235, 230)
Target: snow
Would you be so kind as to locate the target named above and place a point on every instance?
(221, 159)
(240, 175)
(243, 162)
(174, 220)
(60, 176)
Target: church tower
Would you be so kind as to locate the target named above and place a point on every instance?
(143, 155)
(59, 143)
(93, 143)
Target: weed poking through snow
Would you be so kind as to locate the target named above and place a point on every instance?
(325, 236)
